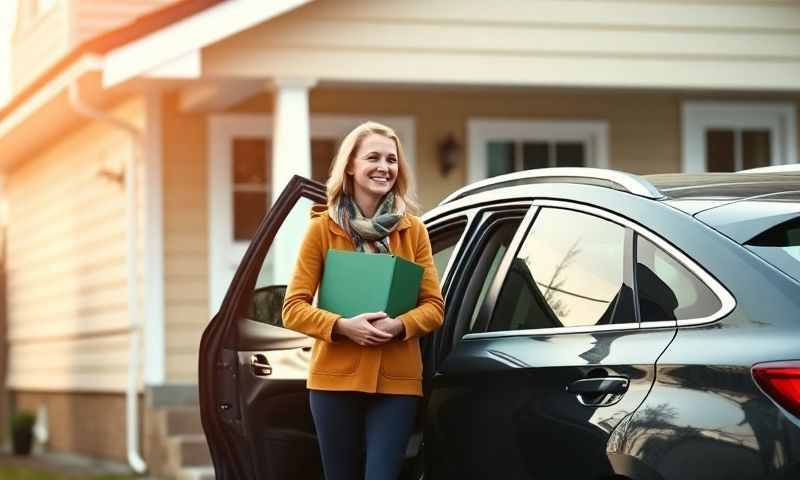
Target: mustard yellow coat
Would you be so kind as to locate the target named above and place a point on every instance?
(338, 363)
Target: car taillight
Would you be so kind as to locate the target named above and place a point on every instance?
(781, 381)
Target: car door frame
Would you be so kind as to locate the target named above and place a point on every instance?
(218, 390)
(432, 224)
(487, 307)
(470, 250)
(633, 229)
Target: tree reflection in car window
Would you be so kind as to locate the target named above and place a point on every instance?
(667, 290)
(568, 272)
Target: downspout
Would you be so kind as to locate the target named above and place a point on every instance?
(131, 213)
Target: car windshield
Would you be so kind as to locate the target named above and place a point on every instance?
(780, 246)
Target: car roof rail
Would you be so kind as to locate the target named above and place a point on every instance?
(626, 182)
(787, 168)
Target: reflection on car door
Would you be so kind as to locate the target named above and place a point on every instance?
(555, 360)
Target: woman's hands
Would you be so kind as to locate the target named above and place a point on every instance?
(390, 325)
(369, 329)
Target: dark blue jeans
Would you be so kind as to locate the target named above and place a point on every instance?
(354, 425)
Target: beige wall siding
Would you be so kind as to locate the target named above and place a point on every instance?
(659, 44)
(41, 39)
(185, 239)
(93, 17)
(38, 42)
(67, 284)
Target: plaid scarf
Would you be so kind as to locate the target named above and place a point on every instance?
(370, 235)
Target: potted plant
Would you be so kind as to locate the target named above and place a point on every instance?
(22, 432)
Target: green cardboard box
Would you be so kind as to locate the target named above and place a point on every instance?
(354, 283)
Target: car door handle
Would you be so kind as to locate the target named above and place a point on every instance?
(598, 386)
(260, 365)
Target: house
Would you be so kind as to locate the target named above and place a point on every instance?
(145, 140)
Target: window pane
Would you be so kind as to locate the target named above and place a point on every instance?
(443, 244)
(570, 154)
(322, 153)
(720, 150)
(569, 272)
(278, 265)
(492, 253)
(756, 148)
(248, 209)
(501, 158)
(667, 290)
(780, 246)
(535, 155)
(250, 160)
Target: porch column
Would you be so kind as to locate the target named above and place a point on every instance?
(291, 135)
(291, 155)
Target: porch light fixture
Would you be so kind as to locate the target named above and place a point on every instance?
(448, 149)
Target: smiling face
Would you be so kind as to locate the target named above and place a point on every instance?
(374, 166)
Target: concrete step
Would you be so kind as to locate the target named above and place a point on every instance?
(189, 451)
(183, 421)
(195, 473)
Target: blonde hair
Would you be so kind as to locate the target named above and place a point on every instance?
(340, 182)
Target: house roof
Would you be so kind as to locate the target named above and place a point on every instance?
(108, 41)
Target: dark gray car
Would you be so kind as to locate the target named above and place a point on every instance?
(598, 325)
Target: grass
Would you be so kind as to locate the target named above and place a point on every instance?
(18, 473)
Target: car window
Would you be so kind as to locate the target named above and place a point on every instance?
(444, 239)
(491, 255)
(780, 246)
(266, 299)
(667, 290)
(569, 272)
(482, 259)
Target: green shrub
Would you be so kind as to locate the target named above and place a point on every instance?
(22, 420)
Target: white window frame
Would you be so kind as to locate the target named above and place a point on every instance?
(697, 117)
(480, 131)
(224, 252)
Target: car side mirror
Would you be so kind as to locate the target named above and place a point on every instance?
(267, 303)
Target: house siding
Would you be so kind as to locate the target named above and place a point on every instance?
(185, 240)
(38, 42)
(67, 276)
(658, 44)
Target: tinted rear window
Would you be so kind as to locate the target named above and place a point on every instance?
(780, 246)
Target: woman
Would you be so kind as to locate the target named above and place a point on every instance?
(365, 376)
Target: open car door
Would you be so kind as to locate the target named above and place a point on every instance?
(252, 371)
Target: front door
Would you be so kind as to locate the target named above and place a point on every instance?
(551, 360)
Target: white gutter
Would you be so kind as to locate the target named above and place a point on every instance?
(131, 213)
